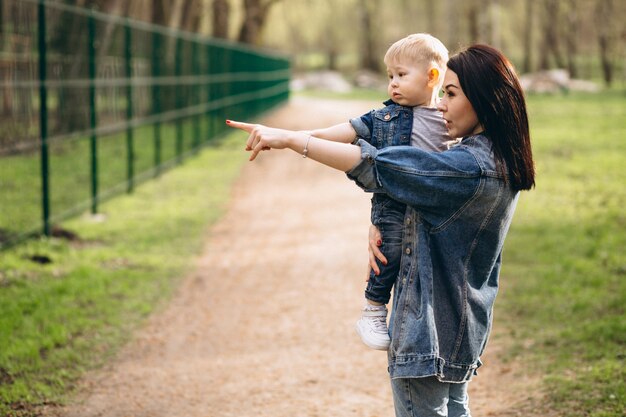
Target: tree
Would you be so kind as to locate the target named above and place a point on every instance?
(369, 60)
(528, 36)
(604, 22)
(452, 34)
(329, 37)
(550, 46)
(255, 15)
(183, 14)
(571, 38)
(483, 22)
(69, 39)
(117, 7)
(221, 15)
(158, 12)
(431, 16)
(191, 16)
(473, 9)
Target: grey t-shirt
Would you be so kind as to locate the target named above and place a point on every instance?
(429, 130)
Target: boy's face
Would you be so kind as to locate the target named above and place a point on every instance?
(408, 84)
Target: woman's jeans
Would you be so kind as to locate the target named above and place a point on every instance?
(427, 397)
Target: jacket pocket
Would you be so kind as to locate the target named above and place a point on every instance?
(385, 124)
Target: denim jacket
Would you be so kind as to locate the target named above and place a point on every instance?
(387, 126)
(459, 212)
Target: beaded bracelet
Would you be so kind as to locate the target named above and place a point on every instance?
(305, 151)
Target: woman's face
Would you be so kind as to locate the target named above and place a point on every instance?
(460, 117)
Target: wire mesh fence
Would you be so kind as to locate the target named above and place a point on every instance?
(93, 104)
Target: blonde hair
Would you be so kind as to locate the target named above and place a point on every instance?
(419, 48)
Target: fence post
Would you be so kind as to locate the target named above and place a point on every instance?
(196, 92)
(179, 100)
(92, 111)
(156, 101)
(209, 91)
(130, 149)
(43, 118)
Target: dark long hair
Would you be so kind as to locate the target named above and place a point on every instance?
(491, 85)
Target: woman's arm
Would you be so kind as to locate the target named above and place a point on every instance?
(341, 156)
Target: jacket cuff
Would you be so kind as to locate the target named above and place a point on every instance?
(364, 172)
(361, 129)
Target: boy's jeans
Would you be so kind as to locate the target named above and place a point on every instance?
(427, 397)
(389, 218)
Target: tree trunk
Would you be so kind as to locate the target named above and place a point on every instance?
(472, 21)
(550, 43)
(331, 57)
(69, 39)
(221, 15)
(141, 10)
(116, 7)
(158, 12)
(329, 38)
(254, 20)
(571, 38)
(495, 16)
(176, 13)
(191, 16)
(604, 20)
(452, 16)
(528, 37)
(368, 53)
(175, 21)
(431, 16)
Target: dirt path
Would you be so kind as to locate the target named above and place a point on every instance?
(264, 326)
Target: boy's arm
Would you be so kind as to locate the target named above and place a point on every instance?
(343, 132)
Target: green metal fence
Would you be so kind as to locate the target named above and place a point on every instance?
(93, 104)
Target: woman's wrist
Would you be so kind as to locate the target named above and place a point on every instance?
(299, 142)
(305, 151)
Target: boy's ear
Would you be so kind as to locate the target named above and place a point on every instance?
(433, 75)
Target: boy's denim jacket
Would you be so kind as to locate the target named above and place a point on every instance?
(459, 212)
(388, 126)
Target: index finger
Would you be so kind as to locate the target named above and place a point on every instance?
(248, 127)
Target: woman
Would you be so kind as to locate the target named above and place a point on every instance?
(460, 205)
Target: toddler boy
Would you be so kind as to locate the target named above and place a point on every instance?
(415, 68)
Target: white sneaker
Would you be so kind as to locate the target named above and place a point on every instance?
(372, 327)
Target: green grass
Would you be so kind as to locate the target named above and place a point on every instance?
(61, 318)
(564, 269)
(70, 172)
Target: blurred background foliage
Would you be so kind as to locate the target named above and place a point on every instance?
(586, 37)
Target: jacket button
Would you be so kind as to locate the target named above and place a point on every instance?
(407, 251)
(387, 116)
(408, 221)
